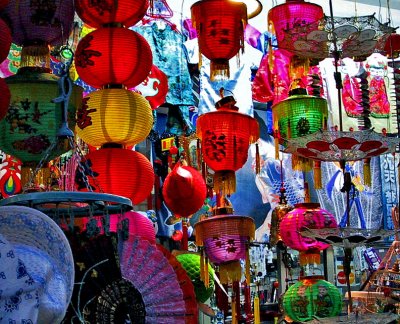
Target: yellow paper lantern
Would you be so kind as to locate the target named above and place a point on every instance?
(114, 116)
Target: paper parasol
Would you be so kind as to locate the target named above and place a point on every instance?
(338, 146)
(355, 37)
(151, 274)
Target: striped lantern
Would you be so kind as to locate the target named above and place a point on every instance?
(299, 115)
(33, 120)
(114, 116)
(99, 13)
(225, 136)
(220, 28)
(120, 172)
(293, 13)
(113, 56)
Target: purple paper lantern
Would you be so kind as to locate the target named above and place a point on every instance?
(46, 22)
(306, 215)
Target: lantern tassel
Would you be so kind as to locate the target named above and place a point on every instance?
(248, 266)
(257, 159)
(37, 55)
(234, 315)
(225, 182)
(317, 175)
(367, 172)
(206, 273)
(257, 310)
(276, 142)
(301, 164)
(219, 70)
(202, 265)
(311, 256)
(231, 271)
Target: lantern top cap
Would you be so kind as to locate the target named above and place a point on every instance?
(226, 103)
(307, 205)
(298, 91)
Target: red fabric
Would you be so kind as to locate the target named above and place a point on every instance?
(5, 40)
(4, 98)
(262, 83)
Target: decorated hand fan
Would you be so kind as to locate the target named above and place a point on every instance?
(151, 274)
(186, 285)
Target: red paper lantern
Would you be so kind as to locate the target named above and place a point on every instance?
(184, 190)
(110, 56)
(120, 172)
(5, 40)
(308, 215)
(4, 98)
(220, 28)
(99, 13)
(293, 13)
(225, 137)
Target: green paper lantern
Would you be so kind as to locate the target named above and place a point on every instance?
(299, 115)
(191, 263)
(311, 297)
(33, 120)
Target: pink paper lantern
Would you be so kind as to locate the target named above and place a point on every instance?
(304, 215)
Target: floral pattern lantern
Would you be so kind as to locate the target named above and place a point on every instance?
(226, 239)
(113, 56)
(99, 13)
(107, 172)
(32, 121)
(114, 116)
(293, 13)
(306, 215)
(311, 297)
(220, 28)
(184, 190)
(225, 136)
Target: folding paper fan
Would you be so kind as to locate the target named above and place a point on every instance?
(186, 285)
(151, 274)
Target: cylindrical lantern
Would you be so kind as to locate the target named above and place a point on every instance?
(184, 190)
(114, 116)
(113, 55)
(293, 13)
(312, 297)
(299, 115)
(99, 13)
(120, 172)
(33, 120)
(226, 241)
(45, 22)
(191, 263)
(305, 215)
(4, 98)
(220, 28)
(5, 40)
(225, 136)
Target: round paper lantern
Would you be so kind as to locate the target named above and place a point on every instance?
(191, 263)
(99, 13)
(308, 215)
(114, 115)
(43, 22)
(311, 297)
(113, 55)
(300, 115)
(220, 28)
(4, 98)
(225, 136)
(5, 40)
(120, 172)
(184, 190)
(33, 120)
(293, 13)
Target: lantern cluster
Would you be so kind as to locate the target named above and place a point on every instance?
(33, 119)
(113, 58)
